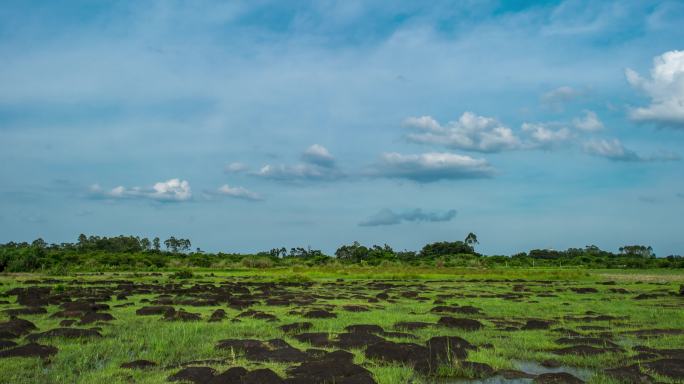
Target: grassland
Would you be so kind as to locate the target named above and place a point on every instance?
(583, 321)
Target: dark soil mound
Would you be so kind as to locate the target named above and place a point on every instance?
(512, 374)
(217, 315)
(261, 376)
(139, 364)
(296, 327)
(536, 324)
(672, 368)
(466, 324)
(273, 350)
(154, 310)
(407, 353)
(355, 308)
(319, 314)
(69, 333)
(15, 327)
(29, 350)
(557, 378)
(411, 325)
(584, 290)
(448, 348)
(181, 315)
(335, 367)
(357, 339)
(364, 328)
(233, 375)
(25, 311)
(92, 317)
(583, 350)
(317, 339)
(630, 374)
(7, 344)
(197, 375)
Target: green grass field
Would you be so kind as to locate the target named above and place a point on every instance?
(505, 300)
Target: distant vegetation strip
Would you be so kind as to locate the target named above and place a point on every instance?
(95, 253)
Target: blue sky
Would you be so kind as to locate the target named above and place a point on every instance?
(250, 125)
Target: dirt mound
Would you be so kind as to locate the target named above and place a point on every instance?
(357, 339)
(181, 315)
(197, 375)
(296, 327)
(25, 311)
(411, 325)
(407, 353)
(92, 317)
(334, 367)
(512, 374)
(273, 350)
(532, 324)
(154, 310)
(217, 315)
(448, 348)
(15, 327)
(630, 374)
(364, 328)
(139, 364)
(465, 324)
(672, 368)
(69, 333)
(7, 344)
(29, 350)
(317, 339)
(583, 350)
(319, 314)
(557, 378)
(355, 308)
(233, 375)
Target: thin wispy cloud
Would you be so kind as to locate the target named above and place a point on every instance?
(389, 217)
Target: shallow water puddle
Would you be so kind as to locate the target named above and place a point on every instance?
(531, 367)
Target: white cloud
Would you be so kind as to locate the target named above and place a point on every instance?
(169, 190)
(543, 136)
(615, 150)
(318, 155)
(319, 165)
(389, 217)
(433, 166)
(238, 193)
(589, 123)
(297, 172)
(236, 167)
(470, 132)
(665, 88)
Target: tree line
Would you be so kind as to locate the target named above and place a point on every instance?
(132, 252)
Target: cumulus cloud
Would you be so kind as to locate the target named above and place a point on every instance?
(615, 150)
(169, 191)
(470, 132)
(665, 89)
(236, 167)
(433, 166)
(544, 135)
(389, 217)
(318, 155)
(238, 193)
(589, 123)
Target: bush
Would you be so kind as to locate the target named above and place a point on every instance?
(257, 262)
